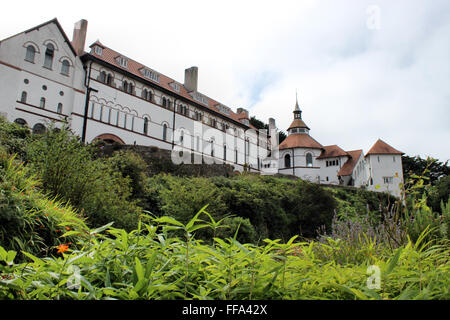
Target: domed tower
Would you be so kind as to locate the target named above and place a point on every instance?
(298, 152)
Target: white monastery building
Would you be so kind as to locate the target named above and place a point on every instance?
(104, 95)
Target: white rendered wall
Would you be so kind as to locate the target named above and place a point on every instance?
(381, 166)
(331, 171)
(298, 163)
(15, 70)
(360, 176)
(109, 107)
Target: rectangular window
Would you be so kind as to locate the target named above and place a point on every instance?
(388, 180)
(152, 75)
(123, 62)
(98, 50)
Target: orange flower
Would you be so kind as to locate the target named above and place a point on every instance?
(62, 248)
(67, 228)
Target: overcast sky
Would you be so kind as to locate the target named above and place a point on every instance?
(363, 69)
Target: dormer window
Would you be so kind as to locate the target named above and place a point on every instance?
(98, 50)
(200, 98)
(175, 86)
(245, 121)
(122, 61)
(150, 75)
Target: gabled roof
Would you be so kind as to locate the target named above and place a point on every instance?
(55, 21)
(349, 166)
(109, 56)
(381, 147)
(332, 152)
(300, 140)
(298, 123)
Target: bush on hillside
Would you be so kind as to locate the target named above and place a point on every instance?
(29, 221)
(70, 173)
(131, 165)
(14, 137)
(276, 208)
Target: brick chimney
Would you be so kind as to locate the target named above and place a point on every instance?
(191, 78)
(242, 110)
(79, 36)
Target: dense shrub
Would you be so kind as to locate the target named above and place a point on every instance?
(28, 220)
(70, 173)
(241, 227)
(439, 193)
(276, 208)
(131, 165)
(14, 137)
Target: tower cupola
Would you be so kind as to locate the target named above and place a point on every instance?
(298, 125)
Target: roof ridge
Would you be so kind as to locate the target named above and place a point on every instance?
(164, 83)
(382, 147)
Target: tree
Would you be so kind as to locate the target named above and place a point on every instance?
(418, 166)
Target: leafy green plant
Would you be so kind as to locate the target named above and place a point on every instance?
(149, 263)
(69, 173)
(29, 220)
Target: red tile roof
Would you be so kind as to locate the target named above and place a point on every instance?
(300, 140)
(134, 67)
(347, 168)
(298, 123)
(381, 147)
(332, 152)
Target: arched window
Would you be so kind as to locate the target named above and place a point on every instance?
(144, 94)
(23, 97)
(130, 88)
(109, 79)
(125, 86)
(38, 128)
(42, 105)
(102, 77)
(212, 147)
(309, 160)
(149, 95)
(164, 102)
(65, 66)
(49, 53)
(287, 161)
(165, 132)
(21, 122)
(31, 52)
(59, 108)
(169, 104)
(145, 126)
(181, 137)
